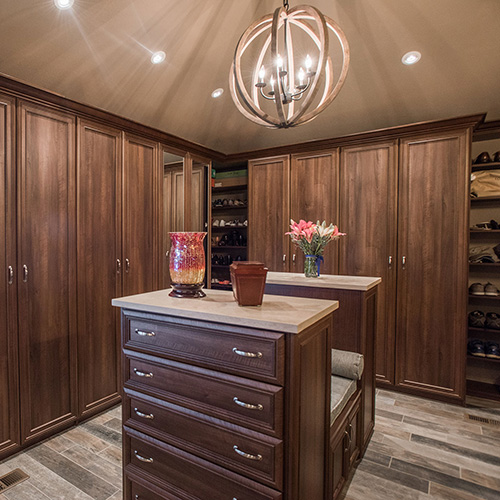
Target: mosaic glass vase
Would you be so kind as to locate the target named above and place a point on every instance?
(187, 264)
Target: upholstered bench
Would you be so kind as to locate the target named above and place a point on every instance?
(345, 428)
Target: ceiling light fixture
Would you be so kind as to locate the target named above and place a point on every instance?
(158, 57)
(64, 4)
(411, 57)
(217, 93)
(293, 85)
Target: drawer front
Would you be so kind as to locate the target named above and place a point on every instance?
(257, 456)
(259, 355)
(139, 492)
(192, 475)
(252, 404)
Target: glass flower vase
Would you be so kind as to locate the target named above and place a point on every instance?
(187, 264)
(311, 267)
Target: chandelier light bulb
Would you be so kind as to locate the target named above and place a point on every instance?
(302, 76)
(64, 4)
(272, 82)
(262, 74)
(308, 63)
(279, 61)
(411, 57)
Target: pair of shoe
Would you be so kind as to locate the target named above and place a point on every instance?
(477, 319)
(480, 349)
(480, 289)
(492, 224)
(484, 157)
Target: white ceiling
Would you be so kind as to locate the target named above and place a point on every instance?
(98, 53)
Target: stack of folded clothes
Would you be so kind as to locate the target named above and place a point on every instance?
(486, 254)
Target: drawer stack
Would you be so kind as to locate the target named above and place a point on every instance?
(203, 410)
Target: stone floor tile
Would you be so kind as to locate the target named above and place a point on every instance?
(24, 491)
(60, 443)
(102, 432)
(86, 439)
(114, 424)
(388, 414)
(440, 492)
(492, 482)
(112, 454)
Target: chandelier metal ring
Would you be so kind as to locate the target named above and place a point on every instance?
(285, 92)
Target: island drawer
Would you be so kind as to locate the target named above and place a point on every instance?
(252, 404)
(252, 454)
(189, 474)
(258, 354)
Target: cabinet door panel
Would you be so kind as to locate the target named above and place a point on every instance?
(368, 201)
(432, 284)
(99, 277)
(47, 293)
(314, 196)
(268, 212)
(9, 390)
(140, 215)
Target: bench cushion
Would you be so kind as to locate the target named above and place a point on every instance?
(342, 389)
(347, 364)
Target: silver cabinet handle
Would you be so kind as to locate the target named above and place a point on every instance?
(25, 273)
(149, 416)
(143, 459)
(390, 260)
(284, 258)
(139, 373)
(248, 406)
(246, 455)
(127, 265)
(167, 253)
(293, 258)
(247, 354)
(142, 333)
(10, 274)
(118, 266)
(403, 261)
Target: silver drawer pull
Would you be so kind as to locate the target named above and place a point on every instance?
(143, 374)
(143, 459)
(246, 455)
(142, 333)
(247, 405)
(144, 415)
(247, 354)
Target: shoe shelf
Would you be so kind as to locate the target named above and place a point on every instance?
(229, 189)
(473, 329)
(218, 286)
(484, 231)
(227, 208)
(485, 199)
(483, 358)
(485, 297)
(486, 166)
(228, 247)
(225, 228)
(484, 264)
(483, 390)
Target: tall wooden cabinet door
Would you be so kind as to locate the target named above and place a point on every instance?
(368, 216)
(314, 180)
(432, 267)
(268, 212)
(99, 264)
(46, 265)
(140, 214)
(9, 376)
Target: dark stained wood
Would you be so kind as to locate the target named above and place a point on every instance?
(187, 194)
(314, 183)
(368, 215)
(432, 284)
(268, 209)
(47, 247)
(99, 264)
(9, 374)
(141, 173)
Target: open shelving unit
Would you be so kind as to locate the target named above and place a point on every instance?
(483, 374)
(229, 204)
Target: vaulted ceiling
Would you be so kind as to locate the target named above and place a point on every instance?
(98, 53)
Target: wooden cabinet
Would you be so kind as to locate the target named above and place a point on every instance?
(99, 279)
(303, 186)
(46, 270)
(213, 407)
(432, 265)
(406, 221)
(9, 374)
(141, 191)
(368, 216)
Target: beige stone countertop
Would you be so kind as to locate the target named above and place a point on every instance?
(278, 313)
(362, 283)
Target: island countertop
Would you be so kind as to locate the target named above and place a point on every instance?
(361, 283)
(279, 313)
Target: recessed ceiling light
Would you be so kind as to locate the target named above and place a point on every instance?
(158, 57)
(64, 4)
(217, 93)
(411, 57)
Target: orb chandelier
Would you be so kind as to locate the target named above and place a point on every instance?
(281, 91)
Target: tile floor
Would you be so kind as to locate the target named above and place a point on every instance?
(421, 450)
